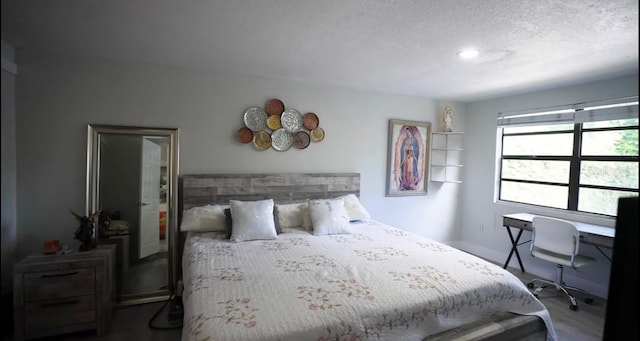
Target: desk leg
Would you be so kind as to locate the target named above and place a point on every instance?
(514, 248)
(602, 252)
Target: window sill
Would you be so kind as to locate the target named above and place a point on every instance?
(588, 218)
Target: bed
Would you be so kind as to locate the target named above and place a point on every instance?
(371, 281)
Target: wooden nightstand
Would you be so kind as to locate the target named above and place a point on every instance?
(57, 294)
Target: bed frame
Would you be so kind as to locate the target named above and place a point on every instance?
(201, 189)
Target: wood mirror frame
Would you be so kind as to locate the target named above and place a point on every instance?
(96, 136)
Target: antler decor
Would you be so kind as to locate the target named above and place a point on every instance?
(85, 232)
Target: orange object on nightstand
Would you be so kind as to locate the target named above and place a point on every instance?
(163, 224)
(51, 246)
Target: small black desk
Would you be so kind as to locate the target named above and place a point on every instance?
(595, 235)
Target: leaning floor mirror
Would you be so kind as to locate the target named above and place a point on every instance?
(132, 178)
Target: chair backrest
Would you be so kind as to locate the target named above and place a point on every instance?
(555, 235)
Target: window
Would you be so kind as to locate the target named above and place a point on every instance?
(581, 157)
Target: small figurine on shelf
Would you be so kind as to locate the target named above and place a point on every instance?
(447, 118)
(85, 232)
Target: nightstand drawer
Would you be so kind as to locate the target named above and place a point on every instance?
(61, 294)
(58, 284)
(60, 312)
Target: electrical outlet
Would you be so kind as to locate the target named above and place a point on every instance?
(481, 227)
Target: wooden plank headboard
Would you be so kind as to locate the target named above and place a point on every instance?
(203, 189)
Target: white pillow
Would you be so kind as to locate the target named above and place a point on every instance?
(208, 218)
(252, 220)
(354, 208)
(329, 216)
(289, 215)
(306, 217)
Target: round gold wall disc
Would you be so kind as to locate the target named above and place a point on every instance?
(262, 140)
(317, 134)
(273, 122)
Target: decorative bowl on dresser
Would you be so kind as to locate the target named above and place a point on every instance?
(58, 294)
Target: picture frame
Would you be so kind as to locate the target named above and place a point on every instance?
(408, 158)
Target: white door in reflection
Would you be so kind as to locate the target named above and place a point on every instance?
(150, 199)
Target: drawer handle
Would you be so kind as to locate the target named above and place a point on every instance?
(60, 275)
(59, 303)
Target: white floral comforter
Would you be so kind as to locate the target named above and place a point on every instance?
(378, 283)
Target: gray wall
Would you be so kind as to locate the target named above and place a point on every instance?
(58, 97)
(9, 218)
(478, 206)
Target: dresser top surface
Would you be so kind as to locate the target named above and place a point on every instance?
(98, 255)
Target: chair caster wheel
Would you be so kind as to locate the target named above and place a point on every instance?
(588, 300)
(536, 295)
(573, 307)
(530, 285)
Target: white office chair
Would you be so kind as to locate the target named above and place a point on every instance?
(557, 241)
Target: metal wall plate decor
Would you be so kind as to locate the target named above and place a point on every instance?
(310, 121)
(255, 118)
(281, 139)
(245, 135)
(291, 120)
(262, 140)
(317, 134)
(273, 122)
(301, 140)
(277, 127)
(274, 106)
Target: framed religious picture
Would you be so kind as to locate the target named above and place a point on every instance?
(408, 158)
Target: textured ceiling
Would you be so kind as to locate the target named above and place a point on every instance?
(404, 47)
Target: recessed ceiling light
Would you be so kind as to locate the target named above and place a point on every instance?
(468, 53)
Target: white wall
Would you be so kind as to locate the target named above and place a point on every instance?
(478, 206)
(57, 98)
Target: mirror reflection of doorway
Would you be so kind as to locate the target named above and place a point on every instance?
(149, 199)
(132, 191)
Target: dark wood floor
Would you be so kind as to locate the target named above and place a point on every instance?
(584, 324)
(131, 323)
(128, 323)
